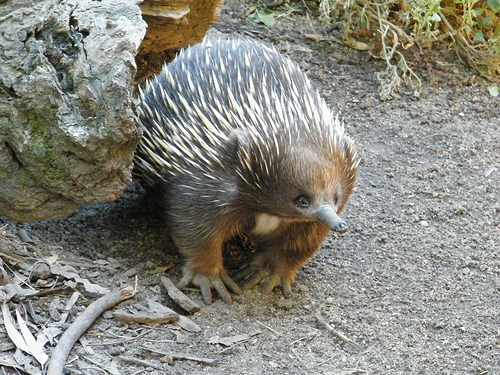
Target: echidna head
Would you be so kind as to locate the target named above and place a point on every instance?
(304, 180)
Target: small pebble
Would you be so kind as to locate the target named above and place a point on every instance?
(286, 304)
(131, 272)
(302, 288)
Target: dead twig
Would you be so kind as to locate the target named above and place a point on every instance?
(81, 324)
(54, 290)
(269, 328)
(233, 346)
(141, 362)
(69, 305)
(323, 362)
(341, 336)
(179, 298)
(120, 342)
(207, 361)
(12, 257)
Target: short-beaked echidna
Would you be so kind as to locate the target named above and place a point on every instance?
(242, 143)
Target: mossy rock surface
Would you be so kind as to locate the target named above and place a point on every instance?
(67, 119)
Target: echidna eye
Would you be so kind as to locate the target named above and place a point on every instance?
(336, 198)
(302, 201)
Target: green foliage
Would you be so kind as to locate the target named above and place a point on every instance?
(267, 19)
(472, 25)
(262, 14)
(493, 90)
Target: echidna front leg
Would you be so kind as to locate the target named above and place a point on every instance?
(281, 253)
(204, 268)
(199, 229)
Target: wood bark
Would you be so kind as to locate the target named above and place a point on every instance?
(177, 23)
(172, 24)
(68, 128)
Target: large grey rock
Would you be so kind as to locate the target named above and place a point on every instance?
(67, 123)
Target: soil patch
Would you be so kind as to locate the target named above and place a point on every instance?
(415, 283)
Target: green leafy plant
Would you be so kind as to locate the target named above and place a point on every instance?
(472, 26)
(263, 14)
(267, 19)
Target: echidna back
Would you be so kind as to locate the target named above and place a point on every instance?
(189, 110)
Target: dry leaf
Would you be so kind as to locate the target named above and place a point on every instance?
(69, 272)
(187, 324)
(353, 43)
(145, 317)
(48, 335)
(25, 341)
(34, 347)
(12, 332)
(231, 340)
(13, 289)
(8, 361)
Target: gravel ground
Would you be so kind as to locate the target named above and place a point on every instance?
(413, 287)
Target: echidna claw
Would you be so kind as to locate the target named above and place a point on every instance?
(270, 282)
(206, 283)
(221, 289)
(231, 284)
(206, 288)
(286, 285)
(251, 278)
(186, 279)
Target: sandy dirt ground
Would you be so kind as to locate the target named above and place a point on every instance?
(412, 288)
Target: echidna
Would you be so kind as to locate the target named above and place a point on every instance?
(241, 143)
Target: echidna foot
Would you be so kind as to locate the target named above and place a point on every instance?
(207, 282)
(266, 278)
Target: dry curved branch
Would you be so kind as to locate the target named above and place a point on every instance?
(81, 324)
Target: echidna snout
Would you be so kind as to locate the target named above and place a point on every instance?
(329, 216)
